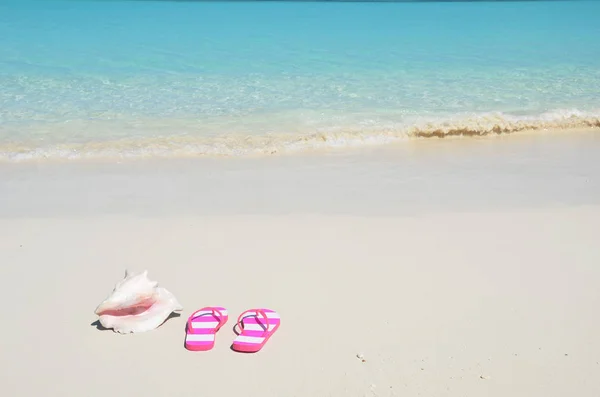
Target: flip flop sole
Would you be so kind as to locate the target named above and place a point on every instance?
(204, 324)
(254, 333)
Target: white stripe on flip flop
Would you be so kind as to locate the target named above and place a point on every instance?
(257, 327)
(269, 315)
(200, 337)
(249, 339)
(204, 325)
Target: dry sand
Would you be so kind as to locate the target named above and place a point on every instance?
(437, 301)
(448, 305)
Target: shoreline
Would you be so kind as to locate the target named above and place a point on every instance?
(525, 171)
(170, 146)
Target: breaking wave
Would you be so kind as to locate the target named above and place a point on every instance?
(270, 144)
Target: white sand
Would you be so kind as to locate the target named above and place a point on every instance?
(441, 300)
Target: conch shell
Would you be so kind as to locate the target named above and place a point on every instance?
(136, 304)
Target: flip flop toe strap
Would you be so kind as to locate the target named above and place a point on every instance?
(256, 313)
(215, 312)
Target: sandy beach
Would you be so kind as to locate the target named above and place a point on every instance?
(461, 269)
(413, 186)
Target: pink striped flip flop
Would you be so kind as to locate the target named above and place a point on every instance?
(202, 326)
(257, 326)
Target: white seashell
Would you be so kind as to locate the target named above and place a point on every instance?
(136, 304)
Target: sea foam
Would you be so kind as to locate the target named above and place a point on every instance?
(174, 145)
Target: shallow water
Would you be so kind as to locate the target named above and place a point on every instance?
(103, 79)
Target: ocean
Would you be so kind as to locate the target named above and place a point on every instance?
(138, 79)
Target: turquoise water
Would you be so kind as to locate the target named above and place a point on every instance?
(138, 78)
